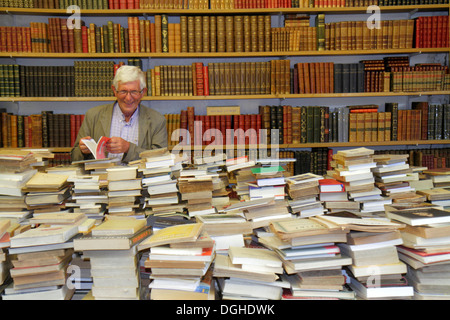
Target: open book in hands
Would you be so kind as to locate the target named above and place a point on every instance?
(98, 149)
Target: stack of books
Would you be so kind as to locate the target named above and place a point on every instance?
(88, 196)
(303, 191)
(425, 250)
(41, 257)
(375, 271)
(353, 168)
(227, 230)
(392, 176)
(15, 171)
(196, 189)
(260, 212)
(269, 183)
(215, 165)
(46, 192)
(180, 258)
(240, 168)
(159, 170)
(5, 261)
(124, 190)
(308, 244)
(333, 194)
(439, 176)
(437, 196)
(81, 280)
(249, 273)
(111, 248)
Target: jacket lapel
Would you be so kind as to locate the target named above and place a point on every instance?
(105, 120)
(144, 124)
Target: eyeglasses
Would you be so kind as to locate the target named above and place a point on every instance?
(133, 93)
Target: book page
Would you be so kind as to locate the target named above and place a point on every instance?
(98, 149)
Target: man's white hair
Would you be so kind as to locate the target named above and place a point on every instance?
(129, 74)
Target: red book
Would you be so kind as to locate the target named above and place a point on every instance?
(205, 81)
(122, 4)
(199, 78)
(331, 185)
(130, 4)
(84, 38)
(110, 4)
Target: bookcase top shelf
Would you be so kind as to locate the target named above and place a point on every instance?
(200, 55)
(143, 12)
(230, 97)
(293, 146)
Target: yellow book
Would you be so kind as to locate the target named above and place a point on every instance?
(119, 227)
(174, 234)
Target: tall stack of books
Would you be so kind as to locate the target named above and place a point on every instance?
(309, 244)
(353, 168)
(124, 190)
(392, 176)
(159, 170)
(333, 193)
(270, 183)
(215, 165)
(88, 196)
(111, 248)
(42, 255)
(303, 191)
(425, 250)
(241, 167)
(375, 271)
(249, 273)
(196, 188)
(180, 258)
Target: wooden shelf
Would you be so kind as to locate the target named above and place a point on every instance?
(230, 97)
(200, 55)
(324, 145)
(145, 12)
(290, 146)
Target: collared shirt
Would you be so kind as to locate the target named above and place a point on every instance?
(128, 131)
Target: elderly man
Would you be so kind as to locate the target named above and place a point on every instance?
(132, 127)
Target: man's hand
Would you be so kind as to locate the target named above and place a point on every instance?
(117, 145)
(84, 149)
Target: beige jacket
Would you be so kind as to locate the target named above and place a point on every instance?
(97, 123)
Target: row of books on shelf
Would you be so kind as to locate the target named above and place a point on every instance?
(39, 130)
(314, 124)
(425, 32)
(203, 4)
(93, 78)
(239, 33)
(272, 125)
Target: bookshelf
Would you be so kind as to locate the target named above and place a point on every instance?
(143, 12)
(249, 103)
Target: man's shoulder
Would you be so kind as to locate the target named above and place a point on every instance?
(99, 109)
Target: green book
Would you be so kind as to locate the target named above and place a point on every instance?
(267, 170)
(164, 33)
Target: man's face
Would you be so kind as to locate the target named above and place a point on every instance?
(128, 96)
